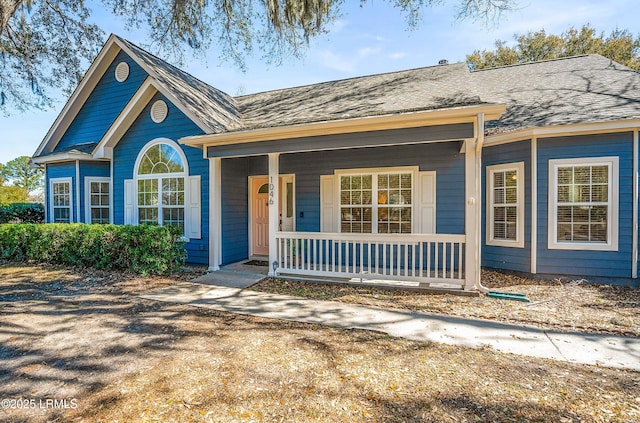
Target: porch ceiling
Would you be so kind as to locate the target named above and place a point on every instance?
(419, 127)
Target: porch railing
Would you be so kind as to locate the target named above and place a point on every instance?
(425, 258)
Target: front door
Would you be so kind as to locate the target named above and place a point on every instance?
(259, 198)
(260, 216)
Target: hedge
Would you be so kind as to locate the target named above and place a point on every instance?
(22, 213)
(141, 249)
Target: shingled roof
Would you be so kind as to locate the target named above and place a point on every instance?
(579, 89)
(435, 87)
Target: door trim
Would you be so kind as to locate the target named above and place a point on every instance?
(250, 194)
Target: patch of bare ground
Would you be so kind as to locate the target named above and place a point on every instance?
(576, 306)
(87, 336)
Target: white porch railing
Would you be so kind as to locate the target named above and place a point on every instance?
(425, 258)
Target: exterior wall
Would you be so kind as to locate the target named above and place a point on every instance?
(444, 158)
(598, 264)
(101, 169)
(508, 258)
(104, 104)
(61, 170)
(142, 131)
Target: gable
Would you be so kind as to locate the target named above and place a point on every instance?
(103, 105)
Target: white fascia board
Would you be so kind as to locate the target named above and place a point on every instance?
(564, 130)
(80, 95)
(164, 91)
(104, 149)
(341, 126)
(63, 157)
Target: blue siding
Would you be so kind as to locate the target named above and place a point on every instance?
(104, 104)
(101, 169)
(62, 170)
(508, 258)
(235, 209)
(609, 264)
(444, 158)
(143, 130)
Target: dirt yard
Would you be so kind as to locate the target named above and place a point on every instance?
(81, 346)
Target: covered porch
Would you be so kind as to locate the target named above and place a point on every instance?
(332, 235)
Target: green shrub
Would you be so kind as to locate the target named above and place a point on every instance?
(142, 249)
(22, 213)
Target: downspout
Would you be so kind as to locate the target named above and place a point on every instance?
(479, 144)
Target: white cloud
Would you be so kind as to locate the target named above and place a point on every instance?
(398, 55)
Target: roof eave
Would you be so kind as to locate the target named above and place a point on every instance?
(63, 157)
(341, 126)
(620, 125)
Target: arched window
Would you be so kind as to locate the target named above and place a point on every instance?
(161, 172)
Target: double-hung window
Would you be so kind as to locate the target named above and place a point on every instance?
(376, 202)
(97, 200)
(583, 204)
(505, 205)
(61, 197)
(161, 178)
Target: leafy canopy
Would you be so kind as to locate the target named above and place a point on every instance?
(46, 45)
(20, 172)
(619, 45)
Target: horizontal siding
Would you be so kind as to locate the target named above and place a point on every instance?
(444, 158)
(143, 130)
(609, 264)
(508, 258)
(87, 169)
(235, 209)
(61, 170)
(104, 104)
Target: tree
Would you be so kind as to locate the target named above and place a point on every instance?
(20, 172)
(620, 46)
(46, 44)
(12, 194)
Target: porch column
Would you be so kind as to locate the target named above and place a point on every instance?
(215, 214)
(471, 222)
(274, 209)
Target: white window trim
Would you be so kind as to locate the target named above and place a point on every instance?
(374, 215)
(67, 180)
(87, 196)
(159, 176)
(520, 206)
(612, 217)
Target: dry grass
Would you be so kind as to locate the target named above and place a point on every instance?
(85, 335)
(568, 306)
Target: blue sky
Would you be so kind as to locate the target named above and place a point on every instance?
(364, 40)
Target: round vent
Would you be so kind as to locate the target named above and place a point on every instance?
(122, 72)
(159, 111)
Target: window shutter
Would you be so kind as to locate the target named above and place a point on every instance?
(129, 206)
(427, 202)
(194, 209)
(328, 212)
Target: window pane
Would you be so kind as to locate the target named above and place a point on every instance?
(161, 158)
(173, 217)
(583, 222)
(148, 216)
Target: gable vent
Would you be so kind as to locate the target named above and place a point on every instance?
(122, 72)
(159, 111)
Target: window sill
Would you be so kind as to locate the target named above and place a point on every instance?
(509, 244)
(582, 246)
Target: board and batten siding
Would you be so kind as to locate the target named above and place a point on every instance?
(601, 264)
(443, 158)
(143, 130)
(61, 170)
(498, 257)
(104, 104)
(89, 169)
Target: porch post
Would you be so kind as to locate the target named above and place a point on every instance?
(274, 208)
(215, 214)
(471, 268)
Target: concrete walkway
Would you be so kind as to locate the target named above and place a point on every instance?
(603, 350)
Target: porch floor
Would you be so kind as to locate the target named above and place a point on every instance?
(235, 275)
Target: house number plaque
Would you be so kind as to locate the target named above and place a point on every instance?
(271, 190)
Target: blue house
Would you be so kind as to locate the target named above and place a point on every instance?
(424, 175)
